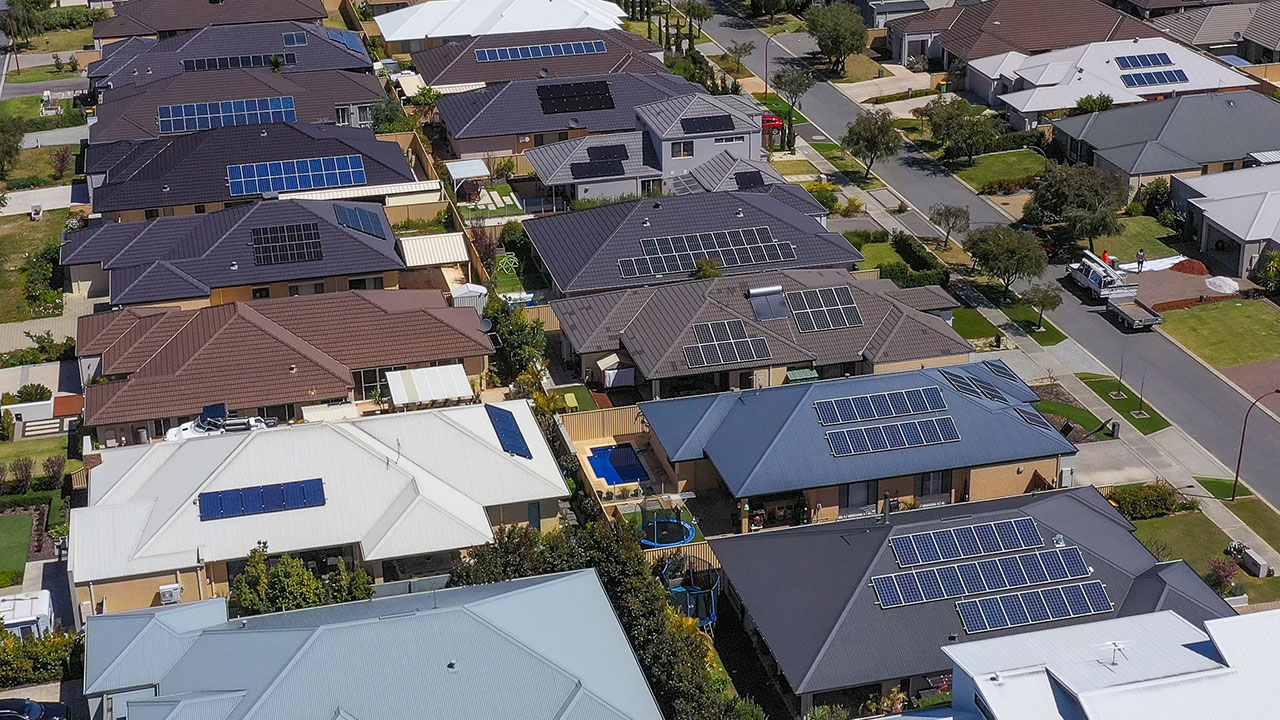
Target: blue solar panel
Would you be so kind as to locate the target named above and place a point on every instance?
(1097, 597)
(991, 391)
(915, 401)
(961, 383)
(910, 588)
(905, 549)
(509, 434)
(947, 546)
(1056, 603)
(360, 219)
(893, 436)
(863, 405)
(947, 429)
(991, 575)
(999, 369)
(1054, 566)
(971, 616)
(987, 539)
(272, 498)
(881, 404)
(290, 175)
(858, 440)
(827, 413)
(1033, 601)
(844, 408)
(1076, 566)
(348, 38)
(528, 52)
(971, 578)
(1035, 606)
(1027, 532)
(261, 499)
(1012, 569)
(993, 613)
(875, 438)
(190, 117)
(1013, 610)
(1076, 600)
(927, 548)
(898, 401)
(840, 445)
(912, 434)
(1008, 535)
(930, 586)
(252, 499)
(952, 585)
(1033, 569)
(933, 396)
(887, 591)
(967, 539)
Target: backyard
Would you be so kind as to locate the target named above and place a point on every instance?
(495, 201)
(878, 255)
(580, 393)
(20, 237)
(1229, 333)
(1139, 232)
(35, 169)
(1104, 385)
(971, 325)
(15, 541)
(1194, 538)
(28, 108)
(59, 41)
(1000, 166)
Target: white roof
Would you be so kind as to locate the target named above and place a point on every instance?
(1056, 80)
(26, 607)
(429, 384)
(1245, 203)
(399, 484)
(1235, 182)
(464, 169)
(389, 190)
(455, 18)
(426, 250)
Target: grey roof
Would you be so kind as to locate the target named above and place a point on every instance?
(513, 108)
(770, 440)
(157, 17)
(130, 112)
(497, 650)
(554, 163)
(581, 249)
(185, 256)
(142, 61)
(454, 63)
(929, 298)
(653, 324)
(664, 117)
(722, 172)
(191, 169)
(1180, 133)
(1256, 22)
(809, 595)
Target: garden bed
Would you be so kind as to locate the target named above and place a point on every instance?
(1058, 406)
(1104, 385)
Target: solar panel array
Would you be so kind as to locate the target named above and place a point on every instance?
(280, 244)
(894, 436)
(225, 113)
(1155, 77)
(289, 175)
(999, 369)
(973, 386)
(1033, 418)
(1149, 60)
(295, 39)
(261, 499)
(348, 38)
(608, 152)
(878, 406)
(360, 219)
(709, 123)
(966, 542)
(732, 248)
(1034, 606)
(526, 52)
(723, 343)
(595, 169)
(980, 576)
(236, 61)
(824, 309)
(510, 437)
(575, 97)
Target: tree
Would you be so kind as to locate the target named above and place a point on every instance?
(1222, 576)
(871, 137)
(698, 12)
(388, 116)
(54, 466)
(1093, 103)
(707, 268)
(34, 392)
(61, 161)
(73, 64)
(894, 701)
(277, 63)
(425, 97)
(945, 113)
(838, 31)
(1063, 188)
(1006, 254)
(1155, 197)
(504, 169)
(522, 339)
(738, 50)
(1043, 297)
(12, 128)
(288, 585)
(1089, 225)
(346, 586)
(7, 426)
(772, 7)
(1267, 272)
(949, 218)
(24, 471)
(974, 134)
(791, 84)
(57, 63)
(25, 18)
(515, 238)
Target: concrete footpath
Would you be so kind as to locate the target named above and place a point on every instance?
(61, 136)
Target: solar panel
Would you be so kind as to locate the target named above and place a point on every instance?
(927, 547)
(947, 545)
(723, 343)
(1013, 610)
(947, 429)
(993, 613)
(972, 578)
(952, 585)
(281, 244)
(595, 169)
(992, 575)
(295, 39)
(910, 588)
(989, 390)
(1126, 62)
(731, 248)
(510, 437)
(360, 219)
(1054, 566)
(1034, 606)
(971, 616)
(1027, 531)
(710, 123)
(887, 591)
(608, 152)
(1008, 535)
(961, 383)
(999, 369)
(930, 585)
(1156, 77)
(1031, 417)
(967, 539)
(1055, 603)
(873, 406)
(1012, 569)
(1096, 594)
(1076, 601)
(236, 61)
(575, 97)
(1037, 611)
(348, 38)
(905, 548)
(748, 179)
(824, 309)
(1033, 569)
(933, 396)
(261, 499)
(289, 175)
(970, 540)
(1076, 566)
(545, 50)
(190, 117)
(891, 436)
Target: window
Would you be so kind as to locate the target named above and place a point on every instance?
(682, 149)
(282, 413)
(1228, 166)
(200, 210)
(981, 704)
(855, 496)
(731, 140)
(261, 293)
(366, 381)
(371, 282)
(933, 483)
(364, 113)
(535, 515)
(650, 187)
(342, 115)
(151, 214)
(306, 289)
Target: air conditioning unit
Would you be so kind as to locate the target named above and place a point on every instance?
(170, 594)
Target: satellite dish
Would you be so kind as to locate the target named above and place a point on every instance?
(1237, 36)
(486, 325)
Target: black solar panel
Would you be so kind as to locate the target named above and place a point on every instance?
(748, 179)
(608, 152)
(278, 244)
(574, 89)
(583, 103)
(711, 123)
(595, 169)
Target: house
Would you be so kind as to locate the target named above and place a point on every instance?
(301, 46)
(396, 494)
(276, 248)
(1167, 138)
(428, 25)
(193, 101)
(510, 118)
(495, 651)
(1031, 88)
(661, 240)
(192, 173)
(844, 610)
(1235, 216)
(675, 140)
(470, 63)
(148, 369)
(967, 31)
(164, 18)
(828, 449)
(1240, 33)
(661, 331)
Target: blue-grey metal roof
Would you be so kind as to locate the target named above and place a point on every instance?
(554, 163)
(809, 594)
(770, 440)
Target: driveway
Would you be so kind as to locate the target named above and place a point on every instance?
(867, 89)
(20, 202)
(61, 136)
(13, 89)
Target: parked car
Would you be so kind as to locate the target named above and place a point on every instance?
(17, 709)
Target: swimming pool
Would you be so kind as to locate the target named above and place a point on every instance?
(618, 465)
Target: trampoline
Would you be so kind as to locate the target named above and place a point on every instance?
(694, 585)
(664, 526)
(618, 465)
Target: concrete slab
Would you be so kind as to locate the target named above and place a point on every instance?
(1019, 362)
(20, 202)
(1175, 442)
(903, 108)
(1257, 379)
(1110, 463)
(1075, 359)
(886, 197)
(867, 89)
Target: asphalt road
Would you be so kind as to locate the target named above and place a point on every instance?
(13, 89)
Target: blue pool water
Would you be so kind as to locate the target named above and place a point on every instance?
(618, 465)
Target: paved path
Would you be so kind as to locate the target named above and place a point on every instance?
(61, 136)
(13, 335)
(54, 197)
(13, 89)
(28, 60)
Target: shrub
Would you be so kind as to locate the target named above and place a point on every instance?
(852, 208)
(1169, 219)
(1008, 186)
(1018, 140)
(31, 660)
(71, 18)
(1221, 576)
(1134, 209)
(54, 467)
(24, 471)
(903, 96)
(916, 255)
(826, 197)
(24, 182)
(34, 392)
(35, 499)
(858, 238)
(903, 276)
(1140, 502)
(6, 427)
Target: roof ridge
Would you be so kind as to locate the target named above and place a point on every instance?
(287, 337)
(776, 439)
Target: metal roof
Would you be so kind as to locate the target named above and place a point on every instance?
(554, 163)
(462, 18)
(427, 250)
(429, 384)
(720, 173)
(154, 17)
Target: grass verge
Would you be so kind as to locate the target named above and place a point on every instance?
(1258, 516)
(879, 255)
(59, 41)
(858, 68)
(1026, 317)
(1079, 416)
(1230, 333)
(778, 106)
(852, 169)
(1102, 386)
(730, 65)
(37, 164)
(40, 73)
(971, 325)
(1194, 538)
(1221, 487)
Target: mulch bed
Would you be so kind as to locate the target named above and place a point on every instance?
(42, 547)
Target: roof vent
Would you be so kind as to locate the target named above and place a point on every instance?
(574, 122)
(164, 188)
(452, 665)
(148, 71)
(1059, 541)
(293, 369)
(645, 222)
(235, 265)
(738, 213)
(543, 72)
(135, 72)
(1135, 41)
(263, 133)
(657, 205)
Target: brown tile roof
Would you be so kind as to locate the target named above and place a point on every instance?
(265, 352)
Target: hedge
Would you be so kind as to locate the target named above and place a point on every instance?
(915, 253)
(858, 238)
(1008, 186)
(1018, 140)
(31, 499)
(904, 96)
(1141, 502)
(71, 18)
(903, 276)
(57, 656)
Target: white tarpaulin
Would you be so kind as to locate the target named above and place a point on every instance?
(1153, 265)
(620, 377)
(1224, 285)
(429, 384)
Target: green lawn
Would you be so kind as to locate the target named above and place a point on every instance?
(335, 19)
(879, 255)
(634, 519)
(504, 192)
(1229, 333)
(38, 163)
(1258, 516)
(1002, 166)
(1194, 538)
(42, 73)
(1221, 487)
(1139, 232)
(730, 65)
(18, 238)
(971, 325)
(858, 68)
(15, 540)
(778, 106)
(855, 171)
(585, 401)
(799, 166)
(37, 449)
(58, 41)
(1079, 416)
(915, 131)
(1026, 318)
(28, 108)
(1105, 385)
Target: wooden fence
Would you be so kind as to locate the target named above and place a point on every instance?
(80, 479)
(544, 313)
(604, 423)
(701, 550)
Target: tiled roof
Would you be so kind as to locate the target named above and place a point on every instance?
(721, 172)
(130, 112)
(185, 256)
(653, 324)
(152, 17)
(265, 352)
(1256, 22)
(454, 63)
(192, 169)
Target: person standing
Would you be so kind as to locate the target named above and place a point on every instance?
(1142, 258)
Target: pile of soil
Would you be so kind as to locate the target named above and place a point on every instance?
(1191, 267)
